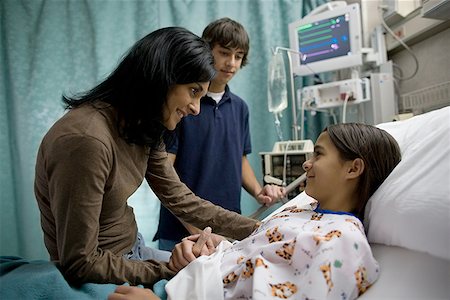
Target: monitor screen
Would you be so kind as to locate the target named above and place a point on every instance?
(327, 41)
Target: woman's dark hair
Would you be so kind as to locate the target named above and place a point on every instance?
(377, 148)
(138, 87)
(228, 33)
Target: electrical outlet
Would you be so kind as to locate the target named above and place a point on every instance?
(412, 28)
(400, 32)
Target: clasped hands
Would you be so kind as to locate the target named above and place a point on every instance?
(193, 246)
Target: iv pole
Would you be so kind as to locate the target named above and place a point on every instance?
(295, 128)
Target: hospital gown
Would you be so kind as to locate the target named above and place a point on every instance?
(297, 253)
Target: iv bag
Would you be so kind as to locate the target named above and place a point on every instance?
(277, 88)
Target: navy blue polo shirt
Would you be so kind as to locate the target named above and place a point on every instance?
(209, 150)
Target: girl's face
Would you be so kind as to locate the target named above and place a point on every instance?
(183, 100)
(325, 171)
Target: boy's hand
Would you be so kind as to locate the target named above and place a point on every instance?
(270, 194)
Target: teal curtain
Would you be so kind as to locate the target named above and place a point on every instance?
(50, 47)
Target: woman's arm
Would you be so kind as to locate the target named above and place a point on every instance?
(184, 204)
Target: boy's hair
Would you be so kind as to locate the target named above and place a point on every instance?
(228, 33)
(377, 148)
(138, 86)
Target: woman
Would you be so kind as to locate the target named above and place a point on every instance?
(96, 156)
(306, 252)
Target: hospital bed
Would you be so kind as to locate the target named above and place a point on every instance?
(408, 218)
(407, 223)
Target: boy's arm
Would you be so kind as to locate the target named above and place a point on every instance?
(249, 181)
(267, 195)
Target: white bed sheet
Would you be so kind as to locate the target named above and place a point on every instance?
(408, 274)
(411, 209)
(404, 274)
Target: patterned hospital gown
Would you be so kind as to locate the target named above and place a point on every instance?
(300, 254)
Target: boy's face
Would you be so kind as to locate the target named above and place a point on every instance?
(227, 61)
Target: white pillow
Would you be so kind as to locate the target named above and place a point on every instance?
(411, 208)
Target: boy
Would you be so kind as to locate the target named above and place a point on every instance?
(217, 168)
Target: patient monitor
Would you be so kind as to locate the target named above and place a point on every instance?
(327, 41)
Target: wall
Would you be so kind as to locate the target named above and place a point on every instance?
(434, 66)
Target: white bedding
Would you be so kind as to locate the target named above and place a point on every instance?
(404, 274)
(411, 209)
(296, 253)
(408, 274)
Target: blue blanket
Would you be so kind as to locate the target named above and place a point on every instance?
(38, 279)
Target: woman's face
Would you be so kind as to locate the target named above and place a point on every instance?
(325, 171)
(183, 100)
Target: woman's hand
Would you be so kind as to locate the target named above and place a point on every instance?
(190, 248)
(125, 292)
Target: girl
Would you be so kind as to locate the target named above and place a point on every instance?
(317, 250)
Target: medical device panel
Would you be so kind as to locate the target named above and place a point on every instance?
(336, 93)
(327, 41)
(284, 164)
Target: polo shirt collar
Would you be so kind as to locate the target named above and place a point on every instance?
(226, 97)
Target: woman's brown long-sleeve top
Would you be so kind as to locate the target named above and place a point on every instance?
(85, 173)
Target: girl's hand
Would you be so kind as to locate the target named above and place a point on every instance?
(190, 248)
